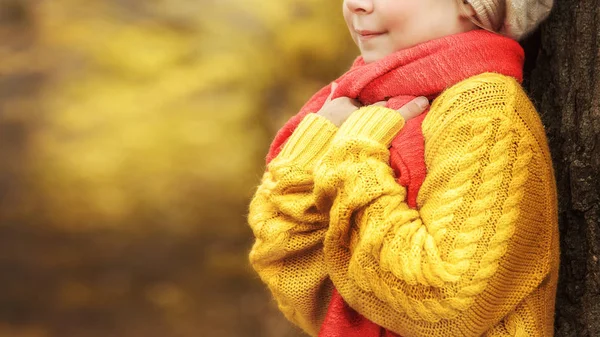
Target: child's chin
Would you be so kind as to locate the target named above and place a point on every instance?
(369, 57)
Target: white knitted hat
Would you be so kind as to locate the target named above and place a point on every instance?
(513, 18)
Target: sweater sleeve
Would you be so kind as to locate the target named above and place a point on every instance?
(289, 229)
(469, 254)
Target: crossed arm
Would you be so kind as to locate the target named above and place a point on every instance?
(329, 210)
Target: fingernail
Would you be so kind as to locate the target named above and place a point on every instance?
(422, 102)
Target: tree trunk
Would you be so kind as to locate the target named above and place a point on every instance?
(565, 86)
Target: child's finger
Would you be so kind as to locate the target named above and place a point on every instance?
(414, 108)
(333, 86)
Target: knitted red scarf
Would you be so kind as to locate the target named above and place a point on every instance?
(423, 70)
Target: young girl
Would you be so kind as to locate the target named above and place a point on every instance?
(381, 216)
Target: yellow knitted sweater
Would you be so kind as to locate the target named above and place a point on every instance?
(478, 257)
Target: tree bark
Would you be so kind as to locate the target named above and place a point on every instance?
(565, 87)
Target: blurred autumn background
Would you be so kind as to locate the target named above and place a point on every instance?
(132, 135)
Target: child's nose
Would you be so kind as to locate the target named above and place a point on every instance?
(360, 6)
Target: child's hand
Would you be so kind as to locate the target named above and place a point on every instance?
(411, 109)
(339, 109)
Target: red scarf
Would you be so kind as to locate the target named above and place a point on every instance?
(423, 70)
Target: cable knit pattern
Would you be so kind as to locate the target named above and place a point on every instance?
(445, 269)
(477, 256)
(289, 229)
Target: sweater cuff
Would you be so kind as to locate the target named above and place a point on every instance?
(373, 122)
(309, 141)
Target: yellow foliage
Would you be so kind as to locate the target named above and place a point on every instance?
(140, 125)
(176, 103)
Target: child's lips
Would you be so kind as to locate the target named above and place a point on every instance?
(367, 34)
